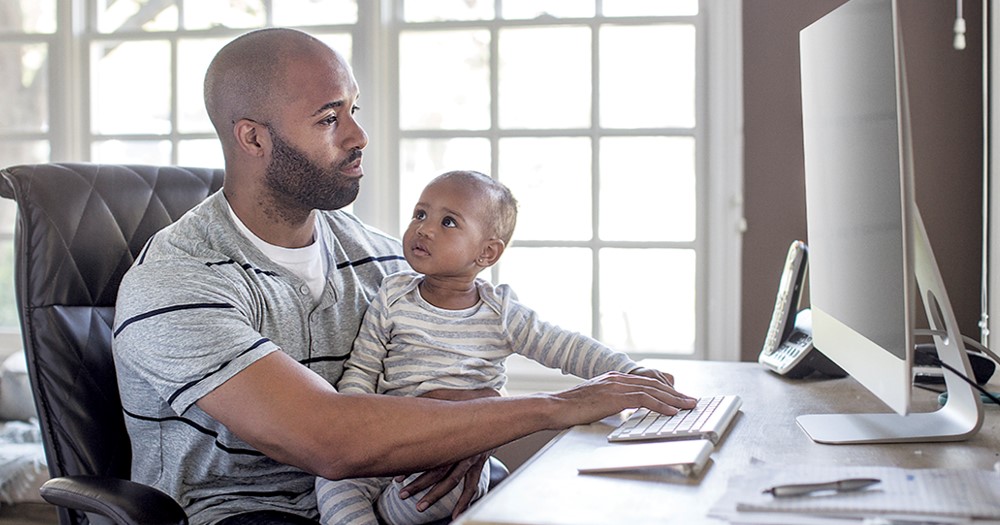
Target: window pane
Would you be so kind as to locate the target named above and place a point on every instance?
(529, 9)
(648, 299)
(636, 95)
(28, 16)
(23, 151)
(204, 153)
(451, 66)
(121, 103)
(339, 42)
(314, 12)
(205, 14)
(435, 10)
(650, 7)
(555, 282)
(551, 179)
(8, 212)
(648, 189)
(423, 159)
(156, 152)
(534, 94)
(8, 305)
(193, 57)
(24, 88)
(137, 15)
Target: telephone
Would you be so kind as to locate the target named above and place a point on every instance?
(788, 348)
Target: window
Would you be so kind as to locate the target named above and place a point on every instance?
(599, 114)
(564, 106)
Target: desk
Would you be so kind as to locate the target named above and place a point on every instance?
(547, 490)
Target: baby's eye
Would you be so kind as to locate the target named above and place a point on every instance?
(448, 222)
(419, 215)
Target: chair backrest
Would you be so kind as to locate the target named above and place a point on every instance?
(79, 227)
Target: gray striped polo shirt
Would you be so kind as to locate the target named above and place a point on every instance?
(199, 305)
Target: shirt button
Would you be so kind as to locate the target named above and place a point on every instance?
(304, 290)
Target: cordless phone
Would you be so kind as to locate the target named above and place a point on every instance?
(786, 304)
(788, 348)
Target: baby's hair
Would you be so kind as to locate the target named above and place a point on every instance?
(502, 208)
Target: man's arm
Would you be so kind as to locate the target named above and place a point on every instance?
(291, 414)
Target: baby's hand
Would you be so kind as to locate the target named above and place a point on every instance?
(654, 374)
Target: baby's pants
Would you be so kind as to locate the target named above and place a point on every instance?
(354, 501)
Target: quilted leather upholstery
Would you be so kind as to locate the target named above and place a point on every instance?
(78, 230)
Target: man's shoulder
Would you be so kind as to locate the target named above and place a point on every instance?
(201, 233)
(201, 241)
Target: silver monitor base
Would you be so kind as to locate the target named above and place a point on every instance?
(846, 429)
(962, 414)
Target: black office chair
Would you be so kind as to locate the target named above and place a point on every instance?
(78, 230)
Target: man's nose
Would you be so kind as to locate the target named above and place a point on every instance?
(353, 135)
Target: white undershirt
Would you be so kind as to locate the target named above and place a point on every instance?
(308, 263)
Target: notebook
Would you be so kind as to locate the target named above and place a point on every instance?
(686, 457)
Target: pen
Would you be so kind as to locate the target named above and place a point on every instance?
(803, 489)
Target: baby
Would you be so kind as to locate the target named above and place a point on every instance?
(441, 327)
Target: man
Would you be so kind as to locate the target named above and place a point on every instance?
(235, 321)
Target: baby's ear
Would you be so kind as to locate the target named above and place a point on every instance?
(491, 253)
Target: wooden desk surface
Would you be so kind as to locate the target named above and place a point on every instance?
(547, 489)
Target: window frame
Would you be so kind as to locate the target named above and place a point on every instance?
(718, 133)
(719, 161)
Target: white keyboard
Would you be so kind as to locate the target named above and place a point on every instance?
(709, 419)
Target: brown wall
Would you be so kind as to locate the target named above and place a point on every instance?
(946, 118)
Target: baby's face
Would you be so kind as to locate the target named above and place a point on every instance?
(447, 230)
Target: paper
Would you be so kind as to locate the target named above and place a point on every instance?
(687, 457)
(945, 493)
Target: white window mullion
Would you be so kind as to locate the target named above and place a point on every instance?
(375, 55)
(595, 172)
(725, 179)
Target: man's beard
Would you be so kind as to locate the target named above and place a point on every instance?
(292, 176)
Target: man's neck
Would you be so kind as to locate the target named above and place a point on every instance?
(282, 230)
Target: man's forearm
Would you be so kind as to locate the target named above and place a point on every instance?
(291, 414)
(396, 435)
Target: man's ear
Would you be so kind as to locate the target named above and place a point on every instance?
(251, 137)
(491, 253)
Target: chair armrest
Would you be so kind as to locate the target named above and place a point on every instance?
(498, 472)
(124, 502)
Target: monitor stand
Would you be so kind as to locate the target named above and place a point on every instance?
(961, 415)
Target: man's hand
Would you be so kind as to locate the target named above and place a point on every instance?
(613, 392)
(443, 479)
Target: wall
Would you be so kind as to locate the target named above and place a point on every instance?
(945, 90)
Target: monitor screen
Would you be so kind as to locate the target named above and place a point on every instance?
(860, 288)
(870, 258)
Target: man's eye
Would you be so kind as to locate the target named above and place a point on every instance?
(355, 109)
(329, 121)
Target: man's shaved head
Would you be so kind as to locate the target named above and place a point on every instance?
(246, 78)
(283, 103)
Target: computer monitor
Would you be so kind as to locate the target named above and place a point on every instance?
(870, 259)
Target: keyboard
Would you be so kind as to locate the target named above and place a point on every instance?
(709, 419)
